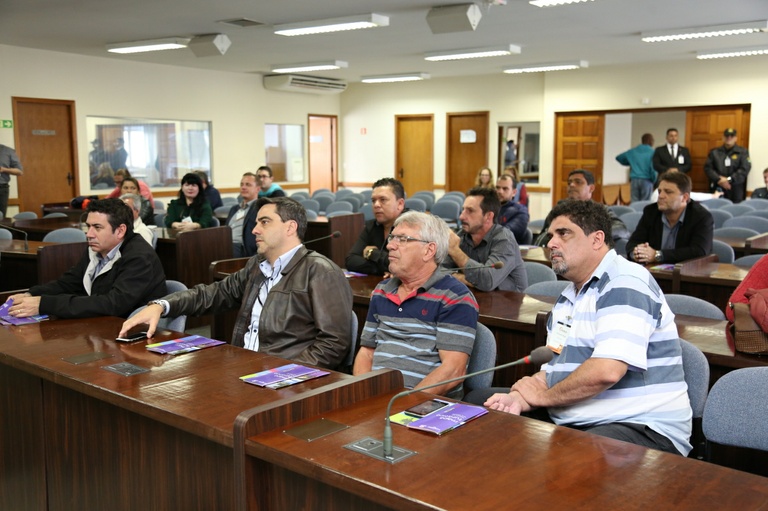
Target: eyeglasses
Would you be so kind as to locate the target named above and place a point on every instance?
(262, 176)
(402, 239)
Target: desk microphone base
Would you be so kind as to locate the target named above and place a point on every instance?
(375, 449)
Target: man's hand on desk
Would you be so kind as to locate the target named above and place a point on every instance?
(508, 403)
(150, 315)
(24, 305)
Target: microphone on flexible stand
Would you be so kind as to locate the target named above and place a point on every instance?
(334, 234)
(539, 356)
(26, 236)
(496, 266)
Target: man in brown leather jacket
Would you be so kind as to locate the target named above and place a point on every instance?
(293, 303)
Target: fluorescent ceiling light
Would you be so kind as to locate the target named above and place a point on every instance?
(733, 52)
(404, 77)
(309, 66)
(553, 3)
(332, 25)
(540, 68)
(496, 51)
(702, 32)
(167, 43)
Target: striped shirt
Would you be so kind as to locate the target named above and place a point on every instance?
(621, 314)
(406, 335)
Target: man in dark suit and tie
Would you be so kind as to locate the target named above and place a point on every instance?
(671, 156)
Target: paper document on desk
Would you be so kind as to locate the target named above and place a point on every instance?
(6, 319)
(443, 420)
(283, 376)
(183, 345)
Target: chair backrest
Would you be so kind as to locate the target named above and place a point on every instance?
(356, 203)
(538, 272)
(229, 201)
(537, 224)
(620, 246)
(222, 210)
(761, 213)
(527, 237)
(215, 222)
(25, 215)
(620, 210)
(367, 195)
(311, 215)
(457, 194)
(737, 209)
(367, 211)
(638, 205)
(547, 288)
(427, 197)
(447, 210)
(321, 190)
(483, 357)
(160, 219)
(736, 412)
(311, 204)
(324, 200)
(717, 203)
(179, 322)
(724, 251)
(720, 216)
(332, 207)
(631, 220)
(299, 196)
(693, 306)
(56, 215)
(344, 192)
(416, 204)
(734, 232)
(748, 222)
(338, 213)
(349, 360)
(154, 238)
(696, 369)
(65, 235)
(158, 204)
(748, 261)
(452, 198)
(757, 204)
(5, 234)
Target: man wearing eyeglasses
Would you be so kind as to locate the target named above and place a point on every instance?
(293, 303)
(267, 187)
(483, 242)
(728, 166)
(421, 321)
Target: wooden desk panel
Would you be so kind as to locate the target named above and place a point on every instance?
(43, 262)
(157, 440)
(756, 245)
(336, 249)
(711, 281)
(186, 256)
(497, 461)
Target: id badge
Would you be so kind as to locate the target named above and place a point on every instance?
(186, 220)
(557, 337)
(680, 160)
(727, 162)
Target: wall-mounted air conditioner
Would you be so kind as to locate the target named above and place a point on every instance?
(307, 84)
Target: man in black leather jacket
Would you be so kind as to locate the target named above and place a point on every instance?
(293, 303)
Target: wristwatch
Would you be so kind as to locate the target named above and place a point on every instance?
(368, 253)
(658, 256)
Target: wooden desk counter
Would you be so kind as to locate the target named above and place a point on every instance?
(350, 227)
(756, 245)
(707, 279)
(497, 461)
(158, 440)
(37, 228)
(41, 263)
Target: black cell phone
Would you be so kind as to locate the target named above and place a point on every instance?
(425, 408)
(132, 336)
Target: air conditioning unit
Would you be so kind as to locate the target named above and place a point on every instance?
(307, 84)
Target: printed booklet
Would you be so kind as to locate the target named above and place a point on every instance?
(442, 420)
(183, 345)
(283, 376)
(7, 319)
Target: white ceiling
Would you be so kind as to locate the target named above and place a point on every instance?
(603, 32)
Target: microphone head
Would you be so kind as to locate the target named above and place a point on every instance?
(540, 355)
(498, 265)
(336, 234)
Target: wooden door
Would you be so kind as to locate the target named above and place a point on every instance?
(46, 142)
(467, 149)
(578, 145)
(414, 152)
(704, 130)
(322, 152)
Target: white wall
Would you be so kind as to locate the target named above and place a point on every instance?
(235, 103)
(618, 136)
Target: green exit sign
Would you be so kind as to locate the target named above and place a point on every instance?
(7, 123)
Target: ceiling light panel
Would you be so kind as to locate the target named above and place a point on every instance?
(733, 52)
(541, 68)
(332, 25)
(554, 3)
(402, 77)
(475, 53)
(683, 34)
(167, 43)
(309, 66)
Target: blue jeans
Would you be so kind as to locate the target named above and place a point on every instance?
(641, 189)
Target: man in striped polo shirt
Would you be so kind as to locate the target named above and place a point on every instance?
(421, 321)
(618, 369)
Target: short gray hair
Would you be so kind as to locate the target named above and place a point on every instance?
(431, 228)
(135, 198)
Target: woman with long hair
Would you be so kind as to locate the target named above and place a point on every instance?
(485, 179)
(191, 210)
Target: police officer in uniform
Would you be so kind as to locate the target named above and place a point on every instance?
(727, 167)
